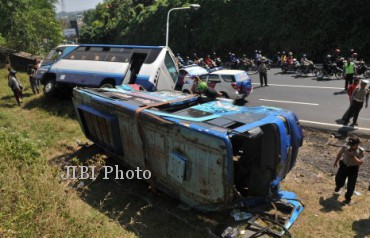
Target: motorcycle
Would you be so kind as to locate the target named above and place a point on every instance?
(306, 69)
(291, 67)
(361, 68)
(249, 66)
(329, 71)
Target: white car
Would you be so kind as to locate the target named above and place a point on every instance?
(231, 83)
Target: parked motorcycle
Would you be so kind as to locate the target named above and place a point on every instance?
(361, 68)
(329, 71)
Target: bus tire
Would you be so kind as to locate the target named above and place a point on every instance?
(108, 83)
(225, 95)
(186, 91)
(49, 87)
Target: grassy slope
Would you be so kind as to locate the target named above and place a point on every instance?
(33, 201)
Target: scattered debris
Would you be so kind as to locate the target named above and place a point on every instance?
(239, 216)
(230, 232)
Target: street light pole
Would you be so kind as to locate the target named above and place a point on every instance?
(191, 6)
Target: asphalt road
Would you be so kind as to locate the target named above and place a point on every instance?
(318, 104)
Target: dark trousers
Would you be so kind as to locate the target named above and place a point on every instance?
(263, 79)
(353, 111)
(346, 172)
(349, 80)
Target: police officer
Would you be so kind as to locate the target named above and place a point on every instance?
(350, 159)
(349, 71)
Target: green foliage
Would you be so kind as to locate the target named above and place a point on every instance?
(311, 26)
(29, 25)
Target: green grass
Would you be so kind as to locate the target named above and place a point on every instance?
(34, 202)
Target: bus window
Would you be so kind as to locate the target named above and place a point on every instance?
(171, 67)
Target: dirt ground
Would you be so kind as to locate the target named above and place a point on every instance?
(319, 151)
(146, 214)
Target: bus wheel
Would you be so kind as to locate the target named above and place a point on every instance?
(49, 87)
(186, 91)
(107, 85)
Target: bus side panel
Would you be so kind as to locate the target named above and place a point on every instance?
(201, 180)
(89, 73)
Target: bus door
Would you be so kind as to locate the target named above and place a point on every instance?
(134, 67)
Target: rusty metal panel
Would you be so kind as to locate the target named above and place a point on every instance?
(176, 167)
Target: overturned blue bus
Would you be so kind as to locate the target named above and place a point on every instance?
(210, 154)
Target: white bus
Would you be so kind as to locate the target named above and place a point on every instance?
(92, 65)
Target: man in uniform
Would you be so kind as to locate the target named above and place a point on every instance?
(350, 159)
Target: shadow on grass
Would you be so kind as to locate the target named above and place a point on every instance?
(330, 204)
(56, 106)
(362, 228)
(132, 204)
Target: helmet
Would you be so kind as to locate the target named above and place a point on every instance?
(354, 54)
(283, 52)
(290, 53)
(178, 54)
(244, 55)
(12, 72)
(337, 51)
(304, 55)
(256, 51)
(202, 86)
(259, 52)
(352, 50)
(328, 56)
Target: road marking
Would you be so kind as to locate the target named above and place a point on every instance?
(304, 103)
(335, 125)
(300, 86)
(364, 119)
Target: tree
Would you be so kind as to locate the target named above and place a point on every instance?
(29, 25)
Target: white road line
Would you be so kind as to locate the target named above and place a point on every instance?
(364, 119)
(330, 124)
(300, 86)
(304, 103)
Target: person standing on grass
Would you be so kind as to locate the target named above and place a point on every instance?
(31, 71)
(359, 96)
(262, 69)
(16, 86)
(350, 159)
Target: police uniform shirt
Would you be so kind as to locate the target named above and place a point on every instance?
(348, 156)
(359, 94)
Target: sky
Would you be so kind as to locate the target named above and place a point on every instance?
(78, 5)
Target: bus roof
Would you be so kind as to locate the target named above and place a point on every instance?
(126, 46)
